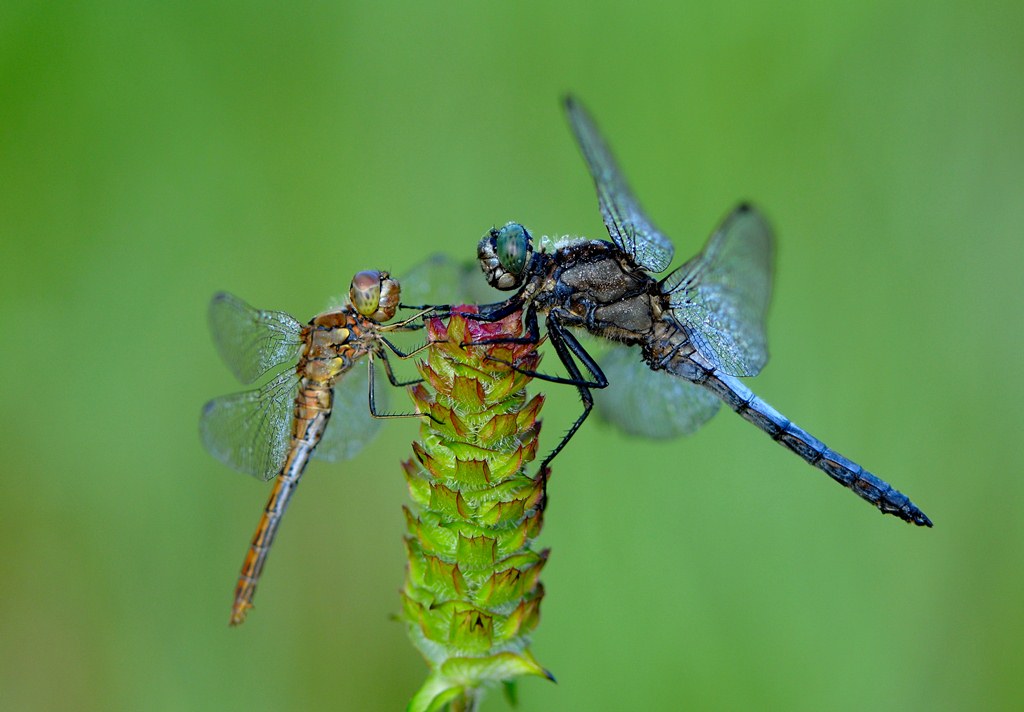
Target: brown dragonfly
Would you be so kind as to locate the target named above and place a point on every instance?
(313, 405)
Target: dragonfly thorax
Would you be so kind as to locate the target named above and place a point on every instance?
(335, 340)
(593, 285)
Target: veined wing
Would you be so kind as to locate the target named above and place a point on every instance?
(439, 279)
(721, 296)
(628, 225)
(251, 341)
(351, 426)
(650, 403)
(251, 431)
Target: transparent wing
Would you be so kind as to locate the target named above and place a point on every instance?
(439, 279)
(628, 225)
(721, 295)
(650, 403)
(250, 341)
(251, 431)
(351, 426)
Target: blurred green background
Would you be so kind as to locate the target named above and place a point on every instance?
(151, 155)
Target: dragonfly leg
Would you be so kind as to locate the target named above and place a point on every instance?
(422, 307)
(405, 354)
(373, 401)
(487, 312)
(391, 373)
(529, 322)
(406, 324)
(566, 346)
(597, 378)
(496, 312)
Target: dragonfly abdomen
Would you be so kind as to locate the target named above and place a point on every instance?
(306, 433)
(843, 470)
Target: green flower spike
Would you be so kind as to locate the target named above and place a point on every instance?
(472, 591)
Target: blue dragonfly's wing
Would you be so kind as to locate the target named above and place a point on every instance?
(351, 427)
(627, 223)
(251, 341)
(654, 404)
(441, 280)
(251, 431)
(721, 296)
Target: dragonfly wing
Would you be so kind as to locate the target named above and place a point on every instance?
(351, 426)
(627, 223)
(721, 296)
(251, 431)
(439, 279)
(251, 341)
(650, 403)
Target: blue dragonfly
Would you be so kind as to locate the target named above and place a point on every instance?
(699, 329)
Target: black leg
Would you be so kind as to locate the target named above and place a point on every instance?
(529, 321)
(597, 377)
(443, 311)
(402, 354)
(391, 374)
(565, 345)
(569, 341)
(373, 401)
(496, 311)
(423, 307)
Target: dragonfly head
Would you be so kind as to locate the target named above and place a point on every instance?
(504, 254)
(374, 294)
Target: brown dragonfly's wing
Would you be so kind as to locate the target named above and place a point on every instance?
(252, 341)
(351, 427)
(251, 431)
(721, 296)
(627, 223)
(654, 404)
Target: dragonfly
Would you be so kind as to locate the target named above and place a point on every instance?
(312, 406)
(699, 329)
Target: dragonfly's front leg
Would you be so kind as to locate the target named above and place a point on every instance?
(501, 311)
(407, 324)
(405, 354)
(495, 311)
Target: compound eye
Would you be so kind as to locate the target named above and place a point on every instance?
(514, 246)
(390, 296)
(365, 292)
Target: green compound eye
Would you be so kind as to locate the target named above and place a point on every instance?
(514, 246)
